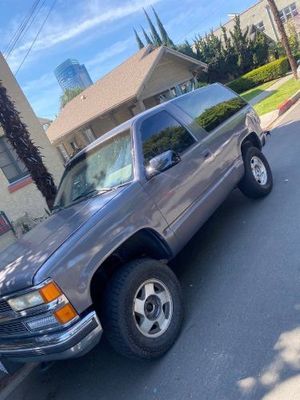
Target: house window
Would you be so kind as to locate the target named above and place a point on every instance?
(89, 134)
(288, 12)
(10, 164)
(260, 26)
(63, 152)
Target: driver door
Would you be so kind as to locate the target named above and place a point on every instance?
(176, 189)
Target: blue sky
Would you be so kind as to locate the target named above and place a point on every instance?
(96, 32)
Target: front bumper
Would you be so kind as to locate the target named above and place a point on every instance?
(73, 342)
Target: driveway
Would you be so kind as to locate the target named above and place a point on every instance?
(241, 283)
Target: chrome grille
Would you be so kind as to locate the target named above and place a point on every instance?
(13, 328)
(4, 307)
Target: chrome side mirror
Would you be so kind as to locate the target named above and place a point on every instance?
(161, 163)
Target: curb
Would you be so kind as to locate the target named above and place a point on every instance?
(10, 383)
(281, 109)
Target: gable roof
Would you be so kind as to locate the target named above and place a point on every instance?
(118, 86)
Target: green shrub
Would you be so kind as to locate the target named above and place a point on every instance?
(266, 73)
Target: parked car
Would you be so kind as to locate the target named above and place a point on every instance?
(126, 205)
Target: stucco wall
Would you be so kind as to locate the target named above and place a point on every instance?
(27, 199)
(258, 13)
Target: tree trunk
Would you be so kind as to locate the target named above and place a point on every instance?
(284, 38)
(17, 134)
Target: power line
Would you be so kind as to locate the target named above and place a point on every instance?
(22, 27)
(36, 36)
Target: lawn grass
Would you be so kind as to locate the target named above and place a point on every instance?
(280, 95)
(251, 93)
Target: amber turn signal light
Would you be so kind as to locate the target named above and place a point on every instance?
(65, 314)
(50, 292)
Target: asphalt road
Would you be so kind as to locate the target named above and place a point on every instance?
(241, 282)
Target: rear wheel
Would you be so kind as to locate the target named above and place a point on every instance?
(143, 309)
(257, 181)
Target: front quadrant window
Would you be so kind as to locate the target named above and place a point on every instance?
(10, 164)
(211, 106)
(161, 132)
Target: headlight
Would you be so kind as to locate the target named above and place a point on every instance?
(44, 295)
(26, 301)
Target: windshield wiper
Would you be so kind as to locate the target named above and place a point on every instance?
(91, 193)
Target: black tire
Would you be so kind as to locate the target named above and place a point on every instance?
(119, 319)
(249, 185)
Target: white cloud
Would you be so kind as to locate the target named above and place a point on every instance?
(108, 53)
(90, 16)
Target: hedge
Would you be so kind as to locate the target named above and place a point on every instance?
(266, 73)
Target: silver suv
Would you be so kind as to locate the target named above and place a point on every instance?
(125, 207)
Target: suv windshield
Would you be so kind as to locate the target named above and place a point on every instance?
(99, 170)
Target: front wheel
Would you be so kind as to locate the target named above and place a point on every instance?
(143, 309)
(257, 181)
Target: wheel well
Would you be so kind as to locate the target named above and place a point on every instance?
(251, 140)
(144, 243)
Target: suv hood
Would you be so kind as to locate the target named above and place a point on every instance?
(20, 261)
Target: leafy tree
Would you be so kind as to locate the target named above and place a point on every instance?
(68, 95)
(138, 40)
(186, 48)
(293, 37)
(165, 38)
(283, 36)
(260, 49)
(232, 54)
(241, 46)
(155, 36)
(18, 136)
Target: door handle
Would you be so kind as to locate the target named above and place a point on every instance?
(206, 154)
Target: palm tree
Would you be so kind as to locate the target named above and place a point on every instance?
(283, 36)
(68, 95)
(18, 136)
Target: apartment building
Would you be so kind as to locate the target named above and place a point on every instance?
(261, 16)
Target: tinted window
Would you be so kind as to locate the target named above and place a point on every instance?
(161, 133)
(210, 106)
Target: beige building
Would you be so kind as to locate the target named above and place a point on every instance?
(146, 79)
(18, 194)
(261, 17)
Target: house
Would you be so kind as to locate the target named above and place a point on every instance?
(19, 196)
(261, 17)
(149, 77)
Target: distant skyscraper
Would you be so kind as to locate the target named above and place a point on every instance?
(70, 75)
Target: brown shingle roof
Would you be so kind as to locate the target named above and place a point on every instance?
(118, 86)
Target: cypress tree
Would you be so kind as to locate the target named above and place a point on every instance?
(166, 40)
(148, 40)
(138, 40)
(156, 38)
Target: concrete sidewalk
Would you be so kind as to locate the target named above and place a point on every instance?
(270, 90)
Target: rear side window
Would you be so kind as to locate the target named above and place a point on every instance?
(210, 106)
(161, 133)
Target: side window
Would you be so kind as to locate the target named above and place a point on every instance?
(211, 106)
(161, 133)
